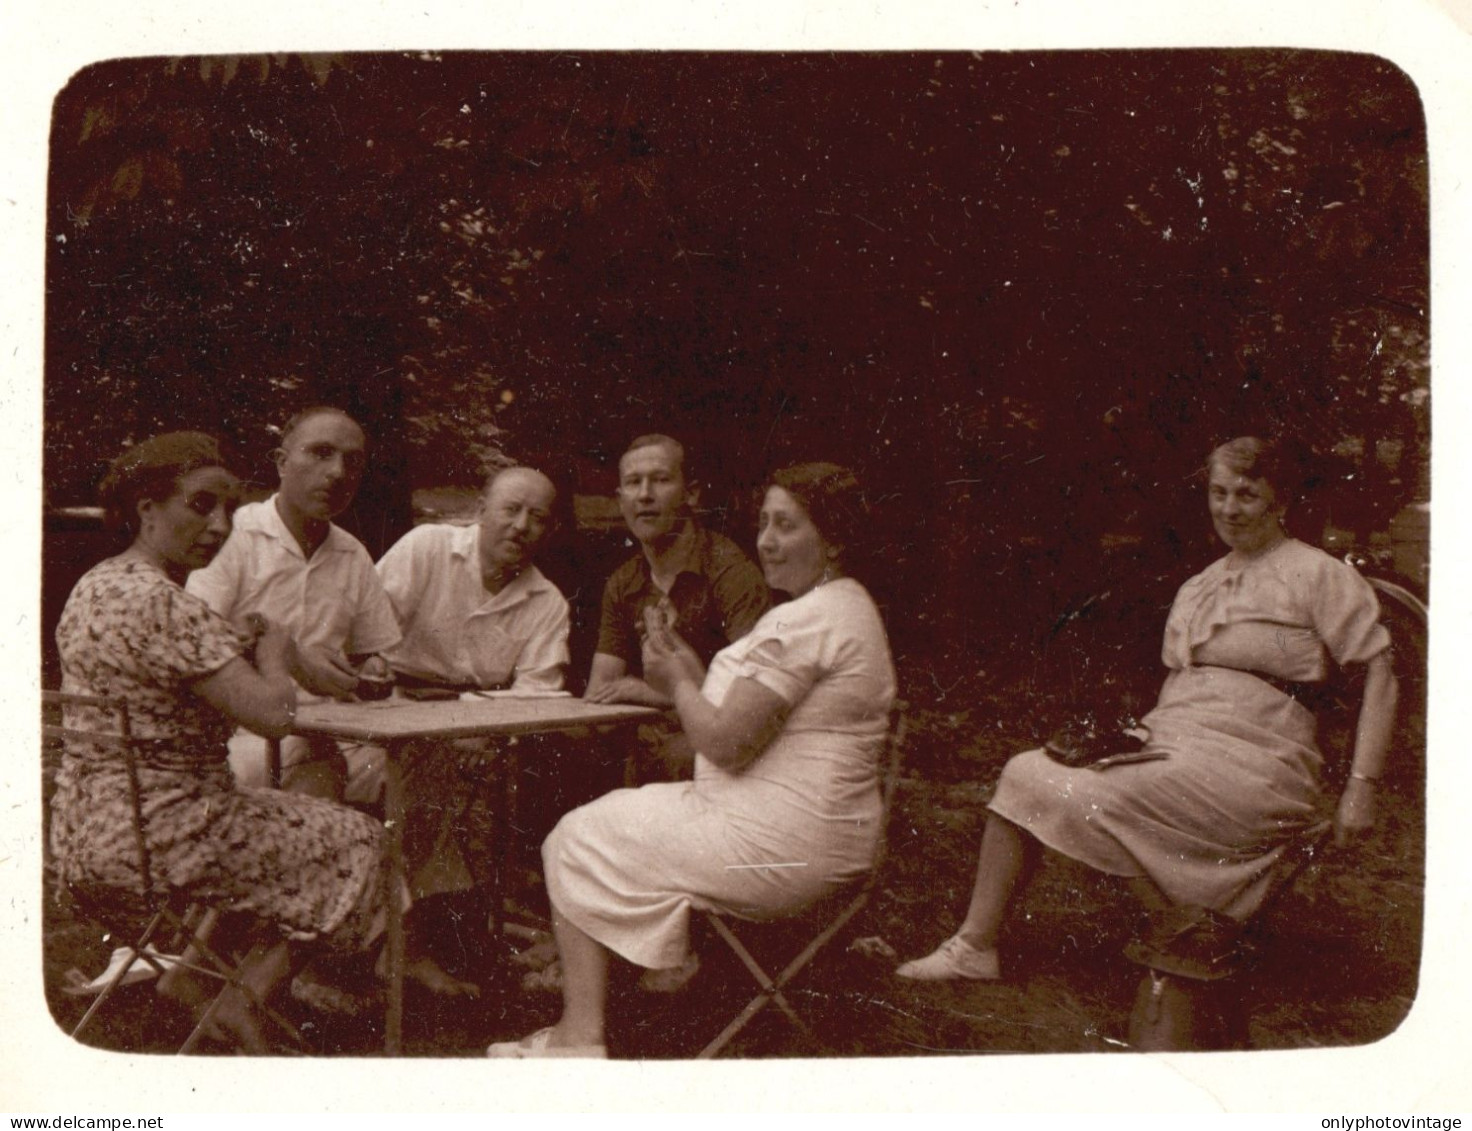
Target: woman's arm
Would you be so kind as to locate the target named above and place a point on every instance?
(731, 735)
(260, 697)
(1356, 813)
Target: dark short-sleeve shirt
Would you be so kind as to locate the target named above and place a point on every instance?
(717, 597)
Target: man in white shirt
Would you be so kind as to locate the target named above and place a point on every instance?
(286, 561)
(476, 614)
(474, 611)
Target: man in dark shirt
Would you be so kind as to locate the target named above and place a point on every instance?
(701, 583)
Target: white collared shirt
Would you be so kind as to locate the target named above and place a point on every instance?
(457, 632)
(332, 600)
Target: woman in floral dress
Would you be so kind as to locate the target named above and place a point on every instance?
(131, 633)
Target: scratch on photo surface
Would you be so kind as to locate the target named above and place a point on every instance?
(794, 864)
(996, 1017)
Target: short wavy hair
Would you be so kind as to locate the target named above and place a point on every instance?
(1276, 460)
(660, 440)
(832, 497)
(151, 470)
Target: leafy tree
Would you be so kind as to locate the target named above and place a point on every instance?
(1022, 293)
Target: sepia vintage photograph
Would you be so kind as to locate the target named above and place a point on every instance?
(784, 555)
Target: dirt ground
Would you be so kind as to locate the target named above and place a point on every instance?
(1335, 959)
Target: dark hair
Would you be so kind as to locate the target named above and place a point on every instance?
(152, 470)
(1274, 460)
(832, 497)
(311, 413)
(660, 440)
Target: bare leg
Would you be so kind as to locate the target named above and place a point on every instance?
(584, 985)
(263, 969)
(1003, 858)
(180, 982)
(314, 779)
(972, 951)
(423, 969)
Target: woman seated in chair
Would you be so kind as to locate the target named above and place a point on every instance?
(130, 633)
(1237, 773)
(789, 724)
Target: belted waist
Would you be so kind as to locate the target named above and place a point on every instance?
(1308, 695)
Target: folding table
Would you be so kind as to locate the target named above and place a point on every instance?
(395, 723)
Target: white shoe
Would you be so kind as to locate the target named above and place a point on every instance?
(954, 958)
(671, 980)
(139, 970)
(536, 1047)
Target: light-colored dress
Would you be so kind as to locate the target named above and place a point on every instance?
(1242, 778)
(765, 841)
(130, 633)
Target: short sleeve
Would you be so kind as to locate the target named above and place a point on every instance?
(539, 667)
(1347, 615)
(788, 652)
(176, 638)
(218, 584)
(615, 624)
(375, 626)
(397, 572)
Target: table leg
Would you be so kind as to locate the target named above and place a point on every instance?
(273, 763)
(502, 771)
(512, 760)
(393, 814)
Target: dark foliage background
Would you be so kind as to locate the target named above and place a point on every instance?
(1022, 293)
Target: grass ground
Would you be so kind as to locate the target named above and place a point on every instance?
(1337, 958)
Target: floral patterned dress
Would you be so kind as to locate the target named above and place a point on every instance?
(129, 633)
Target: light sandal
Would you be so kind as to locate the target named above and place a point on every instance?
(76, 983)
(536, 1047)
(953, 959)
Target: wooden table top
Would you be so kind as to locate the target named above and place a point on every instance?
(396, 718)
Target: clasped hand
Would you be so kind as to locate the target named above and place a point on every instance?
(668, 659)
(325, 671)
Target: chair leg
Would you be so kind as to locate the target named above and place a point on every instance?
(192, 931)
(771, 988)
(754, 1006)
(780, 1000)
(1176, 1014)
(769, 994)
(235, 982)
(198, 925)
(138, 954)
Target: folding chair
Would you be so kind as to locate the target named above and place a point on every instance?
(830, 916)
(165, 912)
(1187, 998)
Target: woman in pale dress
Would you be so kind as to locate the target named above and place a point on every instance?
(1239, 779)
(789, 725)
